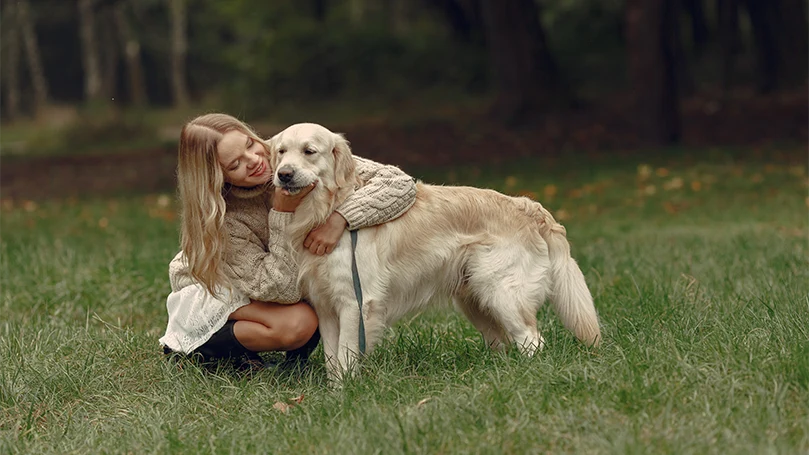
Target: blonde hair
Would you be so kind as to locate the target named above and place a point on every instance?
(202, 187)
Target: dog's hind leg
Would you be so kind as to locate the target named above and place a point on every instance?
(485, 324)
(518, 320)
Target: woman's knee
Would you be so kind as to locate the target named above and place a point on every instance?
(300, 326)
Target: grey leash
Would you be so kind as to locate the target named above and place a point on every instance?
(355, 276)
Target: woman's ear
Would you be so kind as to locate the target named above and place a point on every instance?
(343, 161)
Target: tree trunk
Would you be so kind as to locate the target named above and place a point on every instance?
(763, 18)
(89, 47)
(650, 35)
(699, 24)
(398, 11)
(728, 12)
(792, 33)
(32, 56)
(179, 49)
(132, 58)
(109, 53)
(11, 66)
(528, 81)
(356, 11)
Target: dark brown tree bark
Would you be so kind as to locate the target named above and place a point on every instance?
(179, 49)
(110, 54)
(728, 14)
(781, 42)
(32, 56)
(132, 55)
(652, 69)
(89, 46)
(527, 79)
(11, 62)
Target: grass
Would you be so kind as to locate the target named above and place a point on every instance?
(701, 289)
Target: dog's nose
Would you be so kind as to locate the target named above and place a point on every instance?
(285, 174)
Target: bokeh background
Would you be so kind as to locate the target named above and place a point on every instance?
(94, 91)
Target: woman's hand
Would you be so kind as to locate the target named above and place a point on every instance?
(325, 237)
(284, 202)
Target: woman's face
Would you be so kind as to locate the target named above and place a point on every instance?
(243, 159)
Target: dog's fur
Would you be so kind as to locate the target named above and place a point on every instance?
(497, 257)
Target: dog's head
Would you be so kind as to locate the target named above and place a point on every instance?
(306, 153)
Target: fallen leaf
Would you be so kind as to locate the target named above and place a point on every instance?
(650, 190)
(8, 204)
(298, 399)
(674, 184)
(757, 178)
(561, 215)
(644, 171)
(696, 185)
(29, 206)
(511, 181)
(281, 406)
(797, 171)
(163, 201)
(662, 172)
(550, 191)
(103, 223)
(423, 401)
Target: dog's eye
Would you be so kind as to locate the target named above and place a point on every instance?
(309, 152)
(281, 151)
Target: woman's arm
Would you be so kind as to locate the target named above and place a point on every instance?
(385, 194)
(269, 275)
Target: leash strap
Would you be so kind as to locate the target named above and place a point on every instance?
(355, 276)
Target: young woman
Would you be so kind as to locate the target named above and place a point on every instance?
(234, 284)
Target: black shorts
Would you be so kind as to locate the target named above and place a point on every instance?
(222, 344)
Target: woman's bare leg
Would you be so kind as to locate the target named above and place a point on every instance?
(266, 326)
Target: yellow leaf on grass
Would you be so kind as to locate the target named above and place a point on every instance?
(561, 215)
(511, 181)
(103, 223)
(550, 191)
(674, 184)
(29, 206)
(281, 406)
(696, 185)
(757, 178)
(644, 171)
(662, 172)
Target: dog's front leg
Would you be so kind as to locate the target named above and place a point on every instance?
(330, 334)
(348, 351)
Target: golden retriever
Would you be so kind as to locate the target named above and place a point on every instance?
(496, 257)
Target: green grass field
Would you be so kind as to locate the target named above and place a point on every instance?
(699, 274)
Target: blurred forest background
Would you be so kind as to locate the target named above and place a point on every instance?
(410, 81)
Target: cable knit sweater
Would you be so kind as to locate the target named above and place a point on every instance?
(259, 263)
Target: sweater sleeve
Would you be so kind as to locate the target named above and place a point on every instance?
(266, 275)
(385, 194)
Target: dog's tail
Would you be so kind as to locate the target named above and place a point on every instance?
(571, 299)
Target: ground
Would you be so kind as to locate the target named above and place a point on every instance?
(750, 121)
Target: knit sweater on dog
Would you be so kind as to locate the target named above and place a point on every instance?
(260, 264)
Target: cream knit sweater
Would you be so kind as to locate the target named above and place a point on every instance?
(259, 262)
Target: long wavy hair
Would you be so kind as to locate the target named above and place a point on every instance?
(202, 188)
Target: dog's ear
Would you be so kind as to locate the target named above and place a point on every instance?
(272, 145)
(343, 161)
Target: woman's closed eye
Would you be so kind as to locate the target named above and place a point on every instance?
(234, 166)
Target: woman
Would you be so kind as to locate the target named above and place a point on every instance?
(234, 284)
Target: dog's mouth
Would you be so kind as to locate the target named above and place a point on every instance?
(292, 190)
